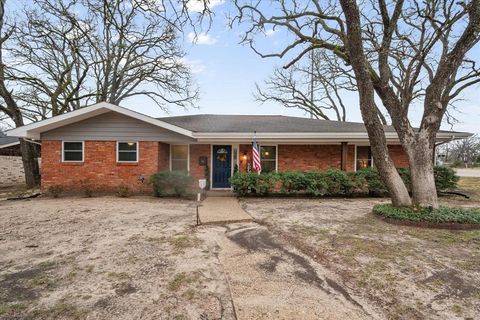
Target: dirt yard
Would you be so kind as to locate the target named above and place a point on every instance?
(108, 258)
(143, 258)
(403, 272)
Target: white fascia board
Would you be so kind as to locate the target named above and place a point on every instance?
(11, 144)
(319, 137)
(33, 130)
(286, 135)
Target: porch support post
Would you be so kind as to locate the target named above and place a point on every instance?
(344, 151)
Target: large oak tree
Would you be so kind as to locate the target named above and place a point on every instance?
(406, 54)
(60, 55)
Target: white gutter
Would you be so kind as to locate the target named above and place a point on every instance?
(9, 144)
(223, 136)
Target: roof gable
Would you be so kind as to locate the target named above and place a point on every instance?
(34, 130)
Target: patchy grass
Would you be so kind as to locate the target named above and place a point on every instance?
(180, 280)
(11, 309)
(60, 311)
(183, 242)
(118, 276)
(471, 185)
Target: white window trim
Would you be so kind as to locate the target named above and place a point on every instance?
(188, 155)
(138, 151)
(276, 153)
(355, 163)
(63, 151)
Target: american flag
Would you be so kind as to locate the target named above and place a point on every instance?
(256, 156)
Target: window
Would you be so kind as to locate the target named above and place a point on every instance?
(73, 151)
(364, 157)
(179, 157)
(127, 151)
(268, 158)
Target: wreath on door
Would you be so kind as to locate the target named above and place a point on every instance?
(222, 154)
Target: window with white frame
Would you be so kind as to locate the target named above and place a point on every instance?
(127, 151)
(179, 157)
(364, 157)
(72, 151)
(268, 158)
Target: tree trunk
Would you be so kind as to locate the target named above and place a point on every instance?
(376, 133)
(30, 163)
(424, 191)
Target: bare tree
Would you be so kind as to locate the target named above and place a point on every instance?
(10, 108)
(465, 152)
(51, 66)
(408, 54)
(314, 86)
(134, 50)
(66, 53)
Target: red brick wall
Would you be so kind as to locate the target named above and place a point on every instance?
(198, 150)
(100, 167)
(313, 157)
(398, 155)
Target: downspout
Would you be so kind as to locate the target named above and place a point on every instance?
(439, 144)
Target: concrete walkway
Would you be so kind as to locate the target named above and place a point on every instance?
(474, 172)
(220, 210)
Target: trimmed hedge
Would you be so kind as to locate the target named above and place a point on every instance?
(440, 215)
(332, 182)
(171, 183)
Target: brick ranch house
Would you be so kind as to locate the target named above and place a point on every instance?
(108, 146)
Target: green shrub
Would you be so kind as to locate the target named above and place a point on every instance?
(333, 182)
(375, 185)
(171, 183)
(440, 215)
(293, 181)
(358, 184)
(337, 182)
(243, 182)
(55, 190)
(265, 183)
(406, 177)
(123, 191)
(445, 178)
(315, 182)
(87, 188)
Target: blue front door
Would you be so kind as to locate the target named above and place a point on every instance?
(222, 166)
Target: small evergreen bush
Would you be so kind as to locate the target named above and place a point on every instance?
(123, 191)
(171, 183)
(332, 182)
(374, 182)
(55, 190)
(445, 178)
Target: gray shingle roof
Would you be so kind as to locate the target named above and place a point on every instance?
(6, 140)
(262, 123)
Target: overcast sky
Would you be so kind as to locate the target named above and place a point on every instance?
(226, 73)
